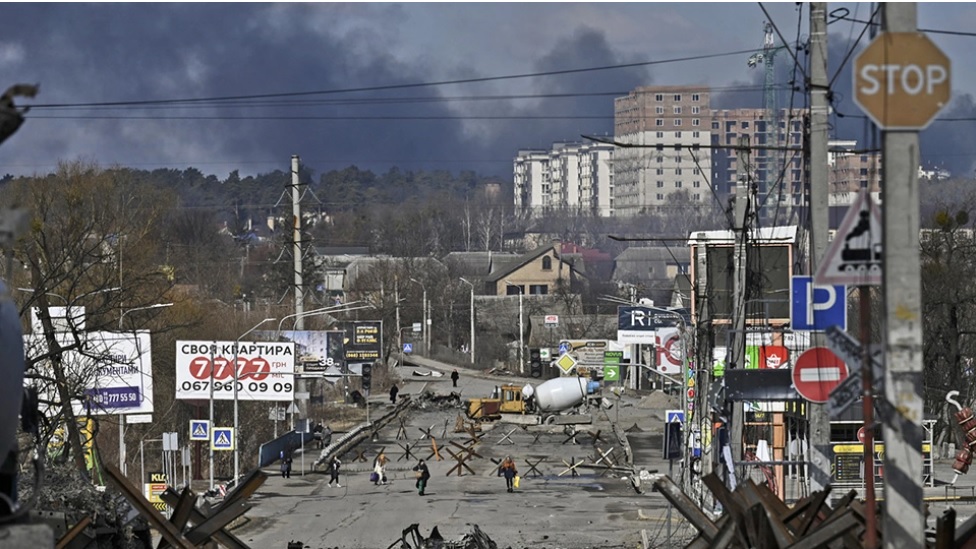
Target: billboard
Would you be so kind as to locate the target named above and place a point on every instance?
(108, 372)
(264, 370)
(363, 341)
(637, 324)
(316, 351)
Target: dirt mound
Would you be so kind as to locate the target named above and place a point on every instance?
(659, 401)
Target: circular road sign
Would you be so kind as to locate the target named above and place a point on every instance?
(902, 80)
(817, 372)
(860, 435)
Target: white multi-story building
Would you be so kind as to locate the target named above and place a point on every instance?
(656, 119)
(571, 176)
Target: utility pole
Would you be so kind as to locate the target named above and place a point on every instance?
(743, 211)
(296, 212)
(904, 522)
(703, 335)
(819, 423)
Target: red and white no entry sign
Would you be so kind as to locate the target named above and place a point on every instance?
(817, 372)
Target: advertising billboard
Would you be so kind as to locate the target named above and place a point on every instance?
(264, 370)
(108, 372)
(363, 341)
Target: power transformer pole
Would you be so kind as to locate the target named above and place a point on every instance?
(819, 423)
(296, 212)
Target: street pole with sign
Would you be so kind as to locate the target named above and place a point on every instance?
(902, 80)
(236, 371)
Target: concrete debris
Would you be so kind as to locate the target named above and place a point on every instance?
(431, 401)
(411, 538)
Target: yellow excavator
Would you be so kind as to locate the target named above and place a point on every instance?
(507, 399)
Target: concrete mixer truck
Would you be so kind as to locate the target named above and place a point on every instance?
(533, 405)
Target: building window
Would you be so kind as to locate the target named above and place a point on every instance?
(660, 184)
(696, 184)
(538, 289)
(695, 110)
(660, 159)
(659, 97)
(695, 97)
(660, 196)
(677, 171)
(660, 171)
(696, 135)
(716, 125)
(512, 289)
(660, 135)
(677, 97)
(695, 122)
(677, 109)
(659, 110)
(677, 121)
(745, 124)
(677, 184)
(696, 171)
(696, 196)
(546, 263)
(659, 122)
(677, 135)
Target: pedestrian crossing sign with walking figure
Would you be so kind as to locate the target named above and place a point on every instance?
(199, 429)
(223, 438)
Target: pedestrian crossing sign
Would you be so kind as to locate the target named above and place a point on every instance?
(199, 429)
(223, 438)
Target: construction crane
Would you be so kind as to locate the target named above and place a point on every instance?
(767, 58)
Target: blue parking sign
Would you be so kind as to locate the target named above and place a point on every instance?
(816, 308)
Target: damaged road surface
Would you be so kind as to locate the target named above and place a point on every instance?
(574, 491)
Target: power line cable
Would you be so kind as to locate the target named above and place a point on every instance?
(412, 85)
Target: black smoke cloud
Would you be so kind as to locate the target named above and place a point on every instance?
(92, 53)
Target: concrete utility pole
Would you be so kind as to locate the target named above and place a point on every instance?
(296, 212)
(819, 433)
(703, 363)
(738, 352)
(903, 523)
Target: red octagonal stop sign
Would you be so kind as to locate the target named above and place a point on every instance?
(817, 372)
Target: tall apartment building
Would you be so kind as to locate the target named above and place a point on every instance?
(778, 175)
(571, 176)
(655, 119)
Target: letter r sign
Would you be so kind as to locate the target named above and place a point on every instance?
(816, 308)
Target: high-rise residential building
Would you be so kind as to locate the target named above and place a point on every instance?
(656, 170)
(571, 176)
(776, 158)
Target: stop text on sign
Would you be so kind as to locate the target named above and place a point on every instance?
(262, 371)
(911, 79)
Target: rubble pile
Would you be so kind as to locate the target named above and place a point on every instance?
(429, 401)
(411, 538)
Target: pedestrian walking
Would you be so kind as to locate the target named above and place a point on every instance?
(423, 475)
(455, 376)
(285, 464)
(393, 393)
(508, 470)
(379, 469)
(334, 471)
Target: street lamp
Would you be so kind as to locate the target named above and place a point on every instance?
(68, 314)
(122, 465)
(521, 330)
(426, 324)
(472, 318)
(237, 433)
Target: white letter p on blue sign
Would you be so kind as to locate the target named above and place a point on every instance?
(816, 308)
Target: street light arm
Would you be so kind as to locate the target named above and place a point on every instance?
(331, 308)
(147, 307)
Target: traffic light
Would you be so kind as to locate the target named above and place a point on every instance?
(367, 376)
(535, 362)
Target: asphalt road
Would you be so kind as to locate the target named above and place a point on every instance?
(551, 509)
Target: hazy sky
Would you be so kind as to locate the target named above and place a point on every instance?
(88, 54)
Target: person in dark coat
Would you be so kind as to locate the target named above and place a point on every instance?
(508, 470)
(455, 376)
(334, 471)
(423, 475)
(393, 393)
(285, 464)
